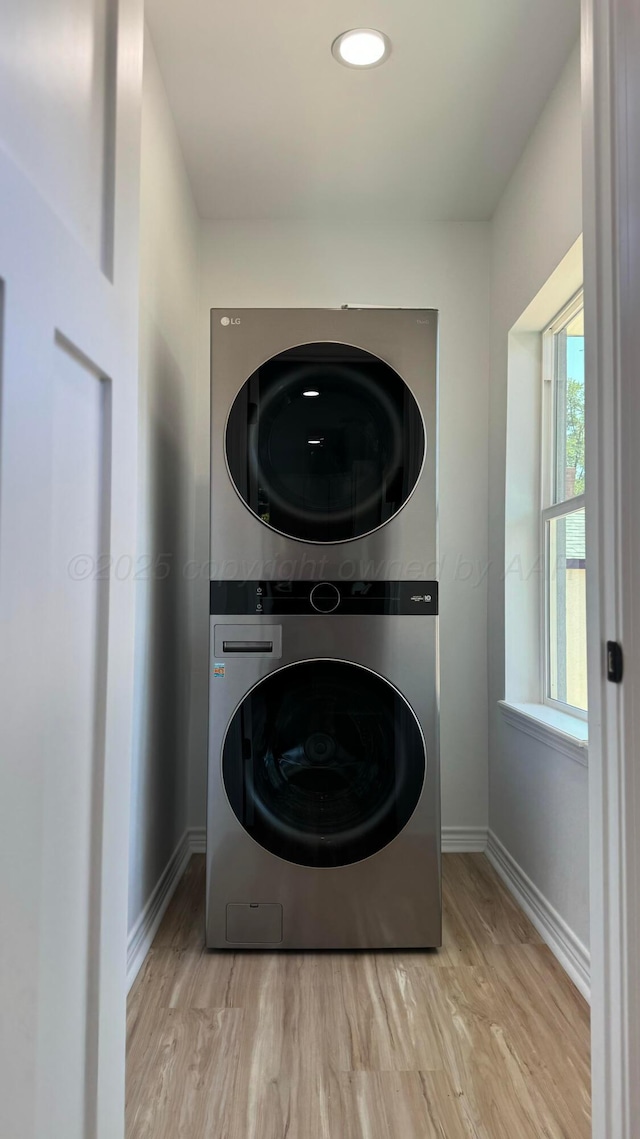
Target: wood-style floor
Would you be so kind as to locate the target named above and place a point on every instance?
(484, 1039)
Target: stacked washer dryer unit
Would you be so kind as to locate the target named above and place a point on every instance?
(323, 793)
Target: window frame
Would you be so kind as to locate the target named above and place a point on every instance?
(548, 508)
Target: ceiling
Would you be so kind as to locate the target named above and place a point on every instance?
(272, 127)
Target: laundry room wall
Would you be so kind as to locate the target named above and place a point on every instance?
(169, 311)
(538, 795)
(298, 264)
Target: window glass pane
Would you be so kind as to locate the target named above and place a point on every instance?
(567, 609)
(569, 465)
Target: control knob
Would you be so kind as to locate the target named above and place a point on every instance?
(325, 597)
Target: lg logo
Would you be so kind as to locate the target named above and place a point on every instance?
(227, 320)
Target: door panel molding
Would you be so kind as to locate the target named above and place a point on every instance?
(63, 312)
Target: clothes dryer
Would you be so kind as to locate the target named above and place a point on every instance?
(323, 444)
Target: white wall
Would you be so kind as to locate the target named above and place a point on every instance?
(538, 796)
(446, 267)
(169, 288)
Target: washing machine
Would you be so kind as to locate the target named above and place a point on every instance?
(323, 795)
(323, 456)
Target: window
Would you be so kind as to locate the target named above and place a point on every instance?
(563, 512)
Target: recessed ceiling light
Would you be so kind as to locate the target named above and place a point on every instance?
(361, 47)
(311, 393)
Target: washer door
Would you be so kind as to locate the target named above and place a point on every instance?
(324, 763)
(325, 443)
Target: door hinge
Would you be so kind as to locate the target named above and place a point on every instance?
(615, 662)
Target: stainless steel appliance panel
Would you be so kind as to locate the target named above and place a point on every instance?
(243, 546)
(389, 899)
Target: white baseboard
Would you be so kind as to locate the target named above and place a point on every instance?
(571, 953)
(464, 840)
(145, 928)
(562, 941)
(198, 840)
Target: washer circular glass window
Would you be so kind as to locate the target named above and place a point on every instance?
(325, 443)
(323, 763)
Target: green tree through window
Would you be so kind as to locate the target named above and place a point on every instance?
(575, 432)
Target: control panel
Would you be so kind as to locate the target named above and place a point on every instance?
(277, 598)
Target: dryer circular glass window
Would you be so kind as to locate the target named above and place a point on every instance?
(324, 763)
(325, 443)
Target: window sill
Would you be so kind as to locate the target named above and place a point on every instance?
(558, 730)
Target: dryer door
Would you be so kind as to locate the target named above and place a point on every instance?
(324, 763)
(325, 443)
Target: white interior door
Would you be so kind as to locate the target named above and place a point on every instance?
(611, 99)
(70, 90)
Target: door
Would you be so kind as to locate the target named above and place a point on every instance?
(325, 442)
(324, 763)
(611, 98)
(70, 89)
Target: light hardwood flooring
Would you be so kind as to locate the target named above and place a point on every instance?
(484, 1039)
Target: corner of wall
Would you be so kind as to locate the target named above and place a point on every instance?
(169, 297)
(537, 798)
